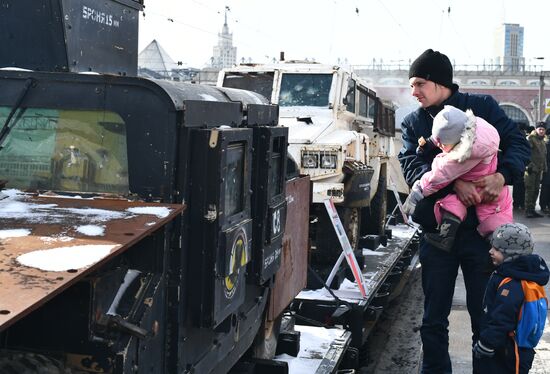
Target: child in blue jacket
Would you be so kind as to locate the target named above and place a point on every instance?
(498, 350)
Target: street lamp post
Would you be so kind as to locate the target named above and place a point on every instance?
(540, 114)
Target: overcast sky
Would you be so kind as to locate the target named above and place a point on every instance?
(328, 30)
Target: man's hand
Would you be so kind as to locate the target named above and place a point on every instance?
(414, 197)
(466, 192)
(490, 186)
(482, 351)
(425, 146)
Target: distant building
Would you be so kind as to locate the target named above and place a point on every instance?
(154, 62)
(509, 47)
(517, 91)
(224, 54)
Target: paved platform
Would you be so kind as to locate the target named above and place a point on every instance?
(459, 329)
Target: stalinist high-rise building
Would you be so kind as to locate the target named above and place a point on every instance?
(224, 55)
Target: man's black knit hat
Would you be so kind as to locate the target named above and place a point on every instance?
(433, 66)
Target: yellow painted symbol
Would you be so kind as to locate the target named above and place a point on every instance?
(237, 259)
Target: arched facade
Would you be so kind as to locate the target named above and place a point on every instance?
(517, 92)
(517, 114)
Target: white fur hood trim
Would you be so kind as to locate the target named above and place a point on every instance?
(463, 149)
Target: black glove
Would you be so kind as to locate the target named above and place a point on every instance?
(427, 147)
(529, 169)
(481, 351)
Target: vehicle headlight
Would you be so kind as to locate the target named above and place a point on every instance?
(328, 161)
(310, 160)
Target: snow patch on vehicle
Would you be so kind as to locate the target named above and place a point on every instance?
(314, 345)
(14, 207)
(19, 210)
(65, 258)
(160, 212)
(14, 233)
(370, 252)
(91, 230)
(51, 239)
(78, 197)
(97, 215)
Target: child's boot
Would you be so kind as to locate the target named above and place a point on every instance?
(447, 233)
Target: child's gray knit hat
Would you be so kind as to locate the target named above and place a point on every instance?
(513, 240)
(448, 125)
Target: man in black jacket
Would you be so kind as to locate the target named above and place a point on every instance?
(431, 81)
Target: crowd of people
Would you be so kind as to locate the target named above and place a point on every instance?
(460, 151)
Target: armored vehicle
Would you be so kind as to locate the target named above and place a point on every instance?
(142, 223)
(340, 134)
(185, 292)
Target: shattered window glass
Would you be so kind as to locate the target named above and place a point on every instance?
(305, 90)
(234, 185)
(259, 82)
(350, 97)
(65, 150)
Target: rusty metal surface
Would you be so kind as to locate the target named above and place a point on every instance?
(52, 223)
(291, 277)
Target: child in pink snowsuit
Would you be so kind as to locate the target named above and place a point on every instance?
(470, 148)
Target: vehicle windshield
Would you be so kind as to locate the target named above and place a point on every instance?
(305, 90)
(259, 82)
(65, 150)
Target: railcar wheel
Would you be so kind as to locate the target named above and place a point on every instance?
(373, 217)
(327, 244)
(30, 363)
(265, 342)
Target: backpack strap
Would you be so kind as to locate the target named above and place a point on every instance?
(504, 281)
(516, 353)
(512, 334)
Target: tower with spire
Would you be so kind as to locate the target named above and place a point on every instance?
(224, 54)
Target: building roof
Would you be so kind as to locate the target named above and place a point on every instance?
(154, 58)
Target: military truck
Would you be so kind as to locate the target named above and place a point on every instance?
(142, 223)
(341, 135)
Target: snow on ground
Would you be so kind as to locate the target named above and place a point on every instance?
(394, 345)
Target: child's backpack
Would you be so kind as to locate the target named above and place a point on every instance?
(532, 314)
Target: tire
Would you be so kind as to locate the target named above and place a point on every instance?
(373, 217)
(327, 245)
(29, 363)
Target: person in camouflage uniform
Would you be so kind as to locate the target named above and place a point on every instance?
(544, 198)
(534, 170)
